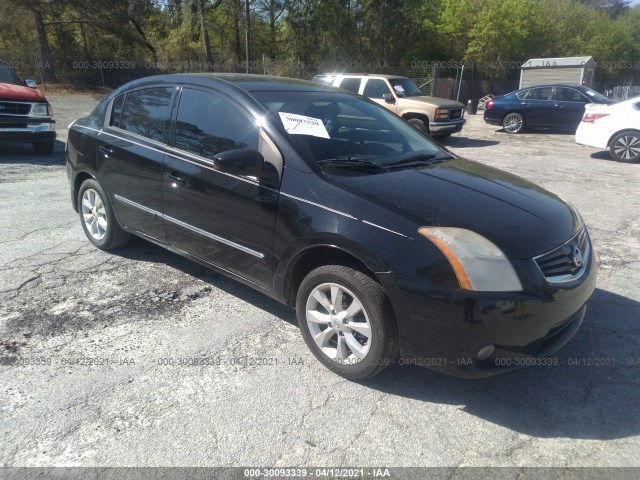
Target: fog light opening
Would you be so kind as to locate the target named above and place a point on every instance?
(485, 352)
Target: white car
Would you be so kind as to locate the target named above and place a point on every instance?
(615, 127)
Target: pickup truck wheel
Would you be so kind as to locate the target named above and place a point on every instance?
(346, 321)
(419, 124)
(43, 148)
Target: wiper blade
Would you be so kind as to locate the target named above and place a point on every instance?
(347, 162)
(422, 159)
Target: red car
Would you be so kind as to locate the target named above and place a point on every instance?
(25, 114)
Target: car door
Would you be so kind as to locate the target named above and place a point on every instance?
(224, 219)
(570, 104)
(130, 151)
(375, 89)
(538, 107)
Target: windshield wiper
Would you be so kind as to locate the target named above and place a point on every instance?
(421, 159)
(348, 162)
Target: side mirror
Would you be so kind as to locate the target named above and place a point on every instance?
(30, 83)
(241, 161)
(388, 97)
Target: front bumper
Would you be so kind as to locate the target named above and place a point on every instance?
(444, 329)
(26, 129)
(446, 128)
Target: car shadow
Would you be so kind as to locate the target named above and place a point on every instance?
(466, 142)
(22, 153)
(141, 250)
(592, 393)
(604, 155)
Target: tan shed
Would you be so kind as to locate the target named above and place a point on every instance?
(569, 70)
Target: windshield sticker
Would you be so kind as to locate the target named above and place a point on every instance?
(398, 88)
(301, 125)
(589, 92)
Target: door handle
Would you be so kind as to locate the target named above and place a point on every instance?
(559, 105)
(524, 103)
(107, 151)
(175, 179)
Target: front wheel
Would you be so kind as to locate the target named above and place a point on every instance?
(419, 125)
(513, 123)
(98, 221)
(346, 321)
(625, 146)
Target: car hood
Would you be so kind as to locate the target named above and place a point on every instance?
(18, 92)
(521, 218)
(437, 101)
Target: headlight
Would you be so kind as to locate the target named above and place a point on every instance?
(478, 264)
(40, 110)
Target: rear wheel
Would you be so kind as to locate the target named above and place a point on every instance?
(625, 146)
(43, 148)
(513, 123)
(346, 321)
(98, 221)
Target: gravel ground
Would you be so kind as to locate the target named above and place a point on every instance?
(99, 338)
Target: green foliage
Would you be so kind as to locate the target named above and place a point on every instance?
(303, 37)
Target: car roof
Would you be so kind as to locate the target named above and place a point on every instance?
(360, 75)
(246, 82)
(572, 85)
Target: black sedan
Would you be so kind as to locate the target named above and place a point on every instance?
(553, 107)
(389, 247)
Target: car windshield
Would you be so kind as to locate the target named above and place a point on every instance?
(346, 130)
(405, 87)
(7, 75)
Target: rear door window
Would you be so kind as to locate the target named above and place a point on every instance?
(146, 112)
(542, 93)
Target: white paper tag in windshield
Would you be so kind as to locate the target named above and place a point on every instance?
(399, 89)
(301, 125)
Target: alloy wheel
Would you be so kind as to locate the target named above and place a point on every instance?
(94, 214)
(512, 123)
(338, 323)
(627, 147)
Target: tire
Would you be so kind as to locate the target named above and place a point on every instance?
(353, 352)
(513, 122)
(43, 148)
(97, 218)
(419, 125)
(625, 146)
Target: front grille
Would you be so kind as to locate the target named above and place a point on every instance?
(567, 261)
(14, 108)
(454, 114)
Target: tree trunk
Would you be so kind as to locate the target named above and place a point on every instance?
(48, 70)
(205, 36)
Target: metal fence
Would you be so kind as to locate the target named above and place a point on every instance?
(625, 92)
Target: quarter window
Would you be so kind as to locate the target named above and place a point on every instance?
(208, 124)
(147, 111)
(376, 88)
(351, 84)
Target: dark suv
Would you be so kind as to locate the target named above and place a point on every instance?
(25, 114)
(384, 243)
